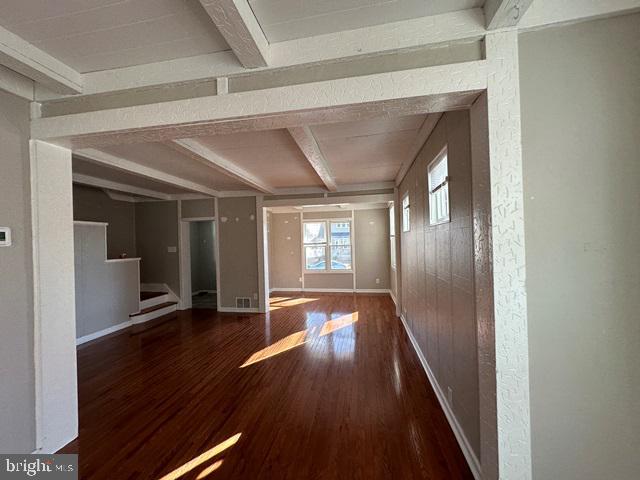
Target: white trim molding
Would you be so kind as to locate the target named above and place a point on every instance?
(28, 60)
(465, 446)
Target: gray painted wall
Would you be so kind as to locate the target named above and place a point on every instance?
(198, 208)
(238, 250)
(286, 254)
(92, 204)
(17, 397)
(438, 298)
(106, 292)
(580, 95)
(203, 261)
(371, 239)
(371, 251)
(156, 230)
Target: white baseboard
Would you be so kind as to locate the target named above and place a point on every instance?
(465, 446)
(102, 333)
(332, 290)
(393, 297)
(238, 310)
(145, 317)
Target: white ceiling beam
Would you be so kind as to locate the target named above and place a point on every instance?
(16, 84)
(196, 150)
(28, 60)
(118, 163)
(118, 187)
(420, 90)
(239, 27)
(303, 136)
(504, 13)
(345, 188)
(333, 200)
(423, 134)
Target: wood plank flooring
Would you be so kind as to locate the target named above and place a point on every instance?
(324, 387)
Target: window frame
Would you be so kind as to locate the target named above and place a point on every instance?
(327, 244)
(392, 236)
(434, 194)
(406, 226)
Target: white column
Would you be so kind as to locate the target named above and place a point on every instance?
(263, 256)
(510, 300)
(54, 296)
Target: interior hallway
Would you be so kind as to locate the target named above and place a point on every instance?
(324, 387)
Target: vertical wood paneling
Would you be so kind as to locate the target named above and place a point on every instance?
(438, 274)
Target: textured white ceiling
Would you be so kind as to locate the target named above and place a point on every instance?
(165, 159)
(92, 35)
(84, 167)
(367, 151)
(288, 19)
(271, 155)
(357, 152)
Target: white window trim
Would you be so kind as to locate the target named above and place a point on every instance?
(402, 226)
(392, 234)
(328, 222)
(442, 153)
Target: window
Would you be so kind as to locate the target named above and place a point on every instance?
(327, 245)
(392, 234)
(406, 220)
(438, 181)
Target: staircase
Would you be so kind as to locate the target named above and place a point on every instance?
(153, 305)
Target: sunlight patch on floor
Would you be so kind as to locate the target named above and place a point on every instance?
(287, 343)
(202, 458)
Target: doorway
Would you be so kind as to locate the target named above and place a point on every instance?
(203, 264)
(199, 278)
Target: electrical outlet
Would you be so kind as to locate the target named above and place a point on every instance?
(450, 395)
(377, 281)
(255, 296)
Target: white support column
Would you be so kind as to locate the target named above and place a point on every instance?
(53, 297)
(263, 256)
(238, 25)
(510, 300)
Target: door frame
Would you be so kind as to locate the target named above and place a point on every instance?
(184, 233)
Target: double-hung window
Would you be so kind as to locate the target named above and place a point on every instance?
(438, 182)
(327, 245)
(392, 234)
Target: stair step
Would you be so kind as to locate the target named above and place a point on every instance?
(148, 295)
(153, 308)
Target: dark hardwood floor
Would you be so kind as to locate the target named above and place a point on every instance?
(325, 387)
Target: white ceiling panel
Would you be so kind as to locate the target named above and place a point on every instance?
(165, 159)
(92, 35)
(270, 155)
(288, 19)
(84, 167)
(367, 151)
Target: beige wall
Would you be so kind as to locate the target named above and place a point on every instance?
(580, 95)
(92, 204)
(106, 292)
(371, 243)
(156, 230)
(238, 247)
(204, 207)
(370, 246)
(438, 299)
(17, 397)
(286, 254)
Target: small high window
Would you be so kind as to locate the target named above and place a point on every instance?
(406, 213)
(438, 182)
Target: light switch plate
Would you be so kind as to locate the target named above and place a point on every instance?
(172, 249)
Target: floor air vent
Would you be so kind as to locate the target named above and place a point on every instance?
(243, 302)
